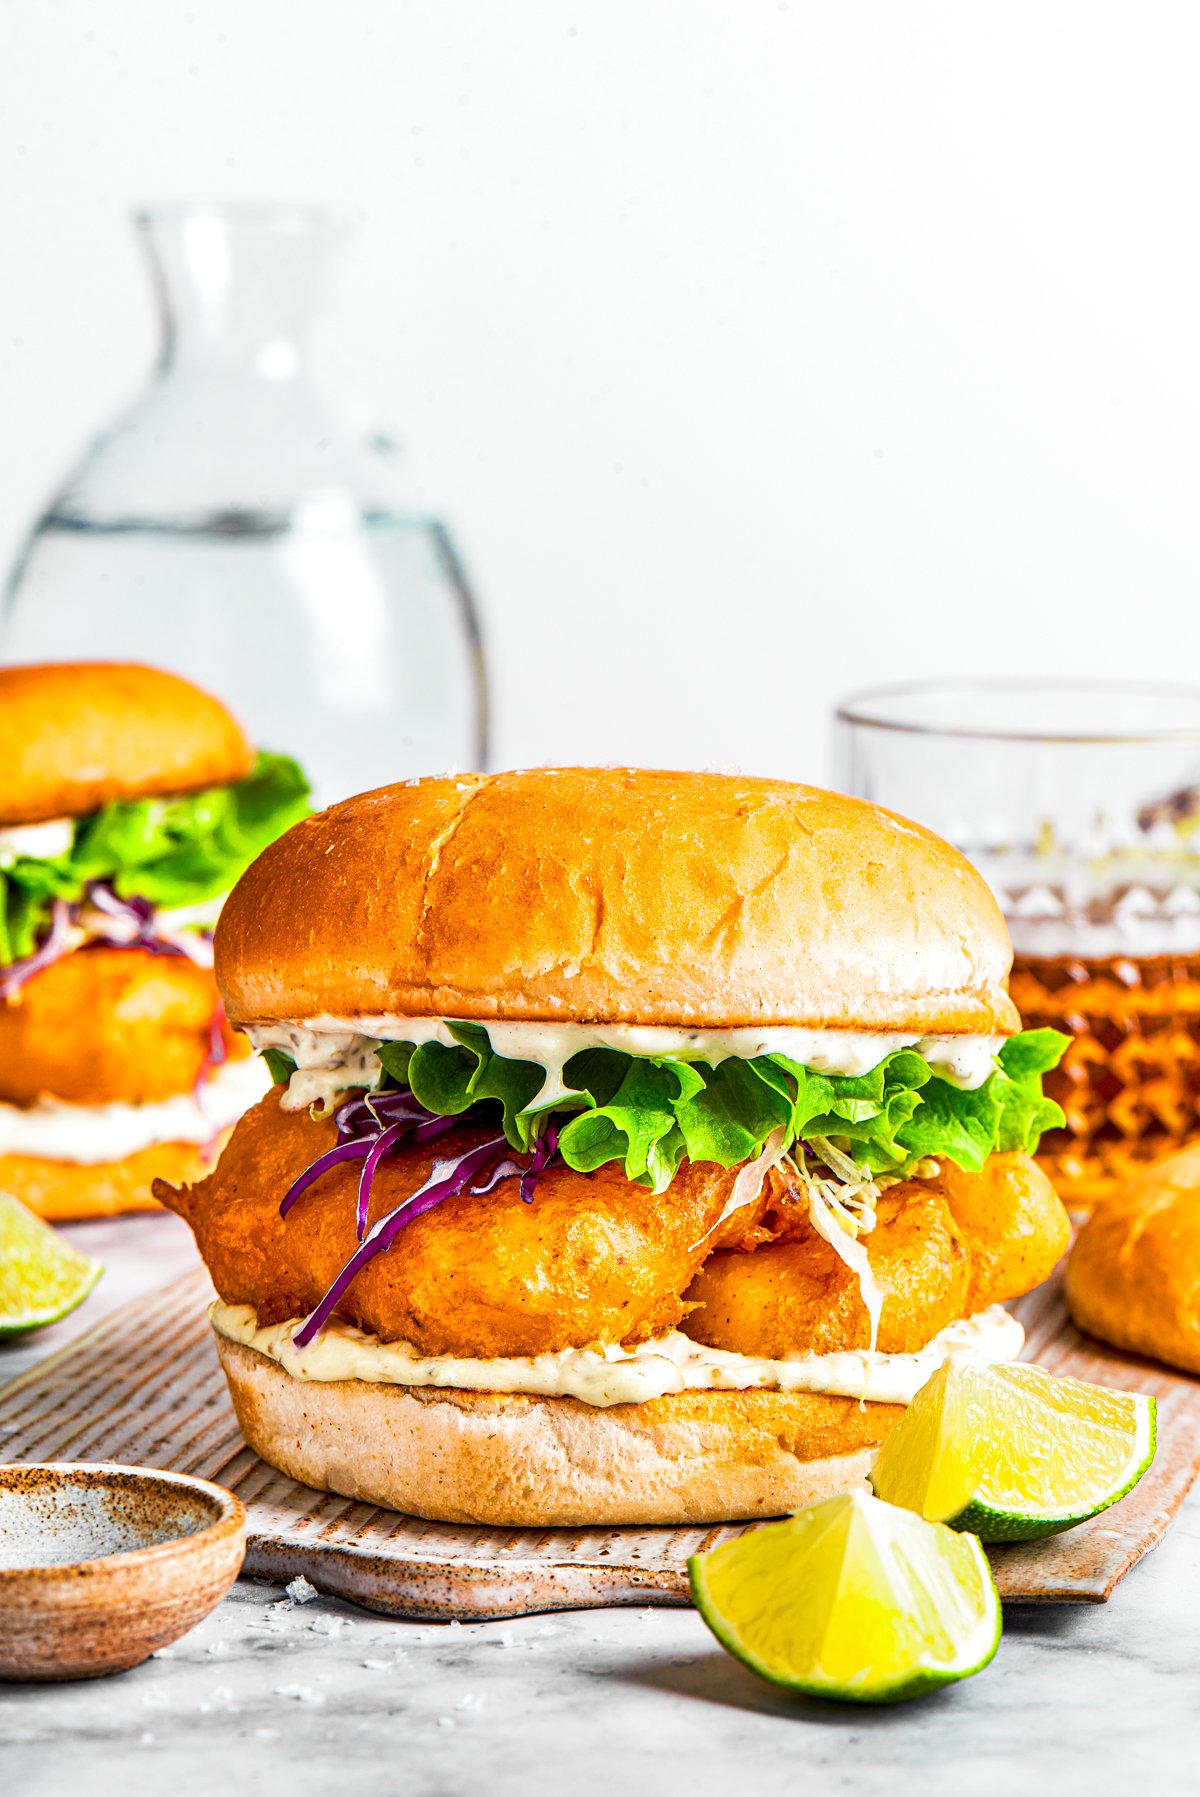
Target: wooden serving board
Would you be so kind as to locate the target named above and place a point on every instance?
(144, 1387)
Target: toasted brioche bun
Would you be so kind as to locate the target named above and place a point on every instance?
(619, 895)
(74, 735)
(1134, 1272)
(71, 1191)
(513, 1461)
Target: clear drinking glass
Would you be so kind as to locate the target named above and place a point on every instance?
(230, 526)
(1080, 804)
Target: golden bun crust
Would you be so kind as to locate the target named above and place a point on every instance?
(72, 1191)
(75, 735)
(1133, 1276)
(513, 1461)
(620, 895)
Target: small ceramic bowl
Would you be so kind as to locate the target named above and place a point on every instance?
(100, 1565)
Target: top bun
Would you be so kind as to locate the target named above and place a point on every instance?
(1135, 1267)
(74, 735)
(616, 895)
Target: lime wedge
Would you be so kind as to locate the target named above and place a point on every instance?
(1011, 1453)
(852, 1599)
(42, 1277)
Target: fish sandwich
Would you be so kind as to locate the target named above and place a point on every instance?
(130, 801)
(641, 1142)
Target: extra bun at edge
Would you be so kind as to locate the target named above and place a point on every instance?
(616, 895)
(1135, 1267)
(526, 1462)
(76, 735)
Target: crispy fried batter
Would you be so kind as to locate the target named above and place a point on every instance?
(1012, 1222)
(593, 1258)
(941, 1249)
(71, 1191)
(797, 1296)
(109, 1026)
(597, 1258)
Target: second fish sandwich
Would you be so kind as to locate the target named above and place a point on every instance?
(130, 801)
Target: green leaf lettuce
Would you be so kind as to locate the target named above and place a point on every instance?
(173, 851)
(649, 1113)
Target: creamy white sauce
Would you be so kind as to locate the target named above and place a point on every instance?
(850, 1251)
(92, 924)
(202, 916)
(335, 1053)
(607, 1374)
(40, 842)
(328, 1062)
(92, 1133)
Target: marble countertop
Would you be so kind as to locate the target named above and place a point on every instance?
(272, 1695)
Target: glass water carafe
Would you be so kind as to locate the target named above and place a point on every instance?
(230, 526)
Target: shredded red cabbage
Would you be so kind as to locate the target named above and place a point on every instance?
(368, 1128)
(372, 1127)
(505, 1169)
(216, 1053)
(448, 1178)
(134, 911)
(53, 946)
(134, 921)
(137, 920)
(545, 1148)
(386, 1140)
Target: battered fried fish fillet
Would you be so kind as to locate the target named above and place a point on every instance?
(109, 1026)
(941, 1249)
(1012, 1221)
(598, 1258)
(797, 1296)
(64, 1190)
(593, 1258)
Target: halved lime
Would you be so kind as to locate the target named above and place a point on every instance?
(1012, 1453)
(852, 1599)
(42, 1276)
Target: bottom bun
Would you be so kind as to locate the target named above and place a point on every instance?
(71, 1191)
(530, 1462)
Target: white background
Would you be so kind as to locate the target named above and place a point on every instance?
(757, 351)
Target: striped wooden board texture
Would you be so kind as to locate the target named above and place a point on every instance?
(144, 1388)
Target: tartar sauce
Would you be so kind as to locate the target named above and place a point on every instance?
(606, 1373)
(94, 1133)
(40, 842)
(334, 1053)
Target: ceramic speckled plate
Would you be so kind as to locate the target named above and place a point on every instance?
(144, 1387)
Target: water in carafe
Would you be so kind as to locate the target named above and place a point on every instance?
(229, 526)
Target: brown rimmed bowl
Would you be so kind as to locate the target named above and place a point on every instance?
(100, 1565)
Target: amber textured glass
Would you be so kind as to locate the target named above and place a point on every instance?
(1080, 803)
